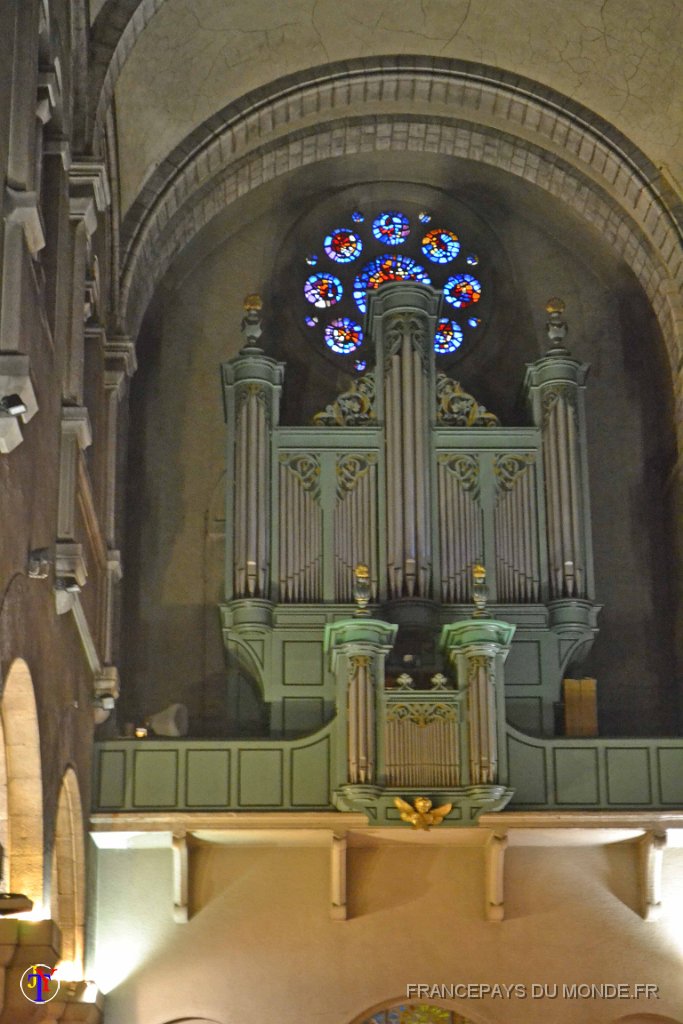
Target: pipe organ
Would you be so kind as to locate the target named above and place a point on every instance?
(408, 474)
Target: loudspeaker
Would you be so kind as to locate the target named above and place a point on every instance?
(172, 721)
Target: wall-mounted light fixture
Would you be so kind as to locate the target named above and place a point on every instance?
(12, 405)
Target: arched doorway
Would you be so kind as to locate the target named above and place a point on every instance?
(23, 805)
(68, 876)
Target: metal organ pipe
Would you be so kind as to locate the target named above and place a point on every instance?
(409, 562)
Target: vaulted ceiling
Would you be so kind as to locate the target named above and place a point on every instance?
(171, 64)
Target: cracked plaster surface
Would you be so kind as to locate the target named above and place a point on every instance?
(618, 57)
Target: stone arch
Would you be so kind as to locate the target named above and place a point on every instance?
(444, 1012)
(68, 874)
(24, 784)
(117, 28)
(192, 1020)
(646, 1018)
(515, 125)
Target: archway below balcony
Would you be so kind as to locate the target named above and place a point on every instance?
(23, 826)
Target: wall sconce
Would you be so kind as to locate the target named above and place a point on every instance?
(39, 562)
(13, 405)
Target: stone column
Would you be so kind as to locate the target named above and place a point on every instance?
(476, 650)
(252, 383)
(357, 649)
(555, 386)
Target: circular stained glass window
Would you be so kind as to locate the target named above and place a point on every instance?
(343, 335)
(343, 245)
(440, 246)
(448, 336)
(386, 268)
(323, 290)
(461, 290)
(391, 228)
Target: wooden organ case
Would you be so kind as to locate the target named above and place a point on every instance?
(407, 474)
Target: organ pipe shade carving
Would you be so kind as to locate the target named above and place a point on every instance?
(355, 522)
(460, 524)
(300, 528)
(515, 525)
(457, 408)
(353, 407)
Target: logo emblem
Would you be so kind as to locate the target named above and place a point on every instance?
(39, 984)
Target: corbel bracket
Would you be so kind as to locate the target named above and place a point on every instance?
(494, 876)
(651, 856)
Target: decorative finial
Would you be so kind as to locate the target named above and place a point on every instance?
(255, 302)
(556, 325)
(251, 322)
(480, 591)
(421, 815)
(361, 588)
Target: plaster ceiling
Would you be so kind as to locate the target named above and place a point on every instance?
(196, 56)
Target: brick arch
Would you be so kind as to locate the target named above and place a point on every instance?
(68, 875)
(542, 137)
(24, 784)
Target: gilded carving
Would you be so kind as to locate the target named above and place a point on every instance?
(475, 664)
(352, 468)
(306, 468)
(353, 407)
(423, 714)
(464, 467)
(509, 467)
(421, 815)
(556, 393)
(456, 408)
(404, 326)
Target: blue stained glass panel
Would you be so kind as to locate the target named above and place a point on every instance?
(462, 290)
(343, 335)
(323, 290)
(440, 246)
(386, 268)
(343, 245)
(448, 336)
(357, 217)
(391, 228)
